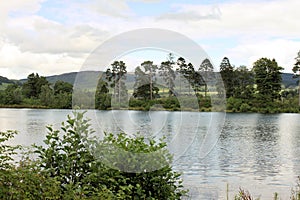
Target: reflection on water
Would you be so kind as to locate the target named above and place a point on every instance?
(255, 151)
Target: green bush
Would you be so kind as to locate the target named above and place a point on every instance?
(141, 167)
(245, 107)
(66, 167)
(70, 160)
(24, 180)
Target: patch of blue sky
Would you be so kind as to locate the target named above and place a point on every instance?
(165, 6)
(55, 10)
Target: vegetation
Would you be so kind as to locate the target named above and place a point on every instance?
(67, 167)
(259, 89)
(245, 194)
(37, 92)
(73, 165)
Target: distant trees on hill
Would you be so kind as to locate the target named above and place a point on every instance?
(37, 91)
(167, 84)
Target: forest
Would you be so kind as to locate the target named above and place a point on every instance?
(175, 84)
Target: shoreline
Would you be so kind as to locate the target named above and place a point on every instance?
(24, 106)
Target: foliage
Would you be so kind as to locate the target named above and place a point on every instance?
(102, 96)
(296, 191)
(168, 73)
(6, 151)
(206, 69)
(68, 159)
(268, 79)
(187, 71)
(226, 71)
(38, 92)
(46, 96)
(243, 85)
(33, 86)
(25, 180)
(133, 155)
(116, 77)
(145, 85)
(12, 94)
(243, 195)
(256, 90)
(62, 87)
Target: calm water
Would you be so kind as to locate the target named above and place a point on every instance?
(254, 151)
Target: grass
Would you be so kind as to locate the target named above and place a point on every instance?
(246, 195)
(3, 86)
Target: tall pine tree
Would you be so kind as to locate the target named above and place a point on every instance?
(268, 80)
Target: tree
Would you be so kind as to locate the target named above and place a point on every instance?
(193, 78)
(188, 72)
(244, 81)
(46, 96)
(12, 94)
(33, 86)
(296, 69)
(102, 96)
(145, 84)
(267, 78)
(62, 87)
(181, 66)
(116, 76)
(226, 71)
(205, 69)
(168, 74)
(63, 100)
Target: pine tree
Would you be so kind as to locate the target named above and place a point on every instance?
(206, 69)
(296, 69)
(268, 79)
(227, 74)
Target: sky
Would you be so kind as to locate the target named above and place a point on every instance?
(56, 36)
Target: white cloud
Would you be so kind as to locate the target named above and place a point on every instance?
(23, 63)
(277, 17)
(192, 13)
(44, 36)
(29, 41)
(282, 50)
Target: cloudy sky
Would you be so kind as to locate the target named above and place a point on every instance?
(56, 36)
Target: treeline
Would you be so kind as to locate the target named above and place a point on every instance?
(37, 92)
(258, 89)
(175, 84)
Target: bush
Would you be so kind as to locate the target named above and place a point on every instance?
(67, 169)
(245, 107)
(25, 180)
(70, 160)
(141, 167)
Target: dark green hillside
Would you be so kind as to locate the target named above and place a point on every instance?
(5, 80)
(90, 76)
(288, 80)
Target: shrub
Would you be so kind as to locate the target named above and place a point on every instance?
(70, 160)
(25, 180)
(245, 107)
(141, 168)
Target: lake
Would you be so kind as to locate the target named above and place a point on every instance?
(257, 152)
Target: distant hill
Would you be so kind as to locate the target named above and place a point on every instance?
(5, 80)
(288, 80)
(89, 78)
